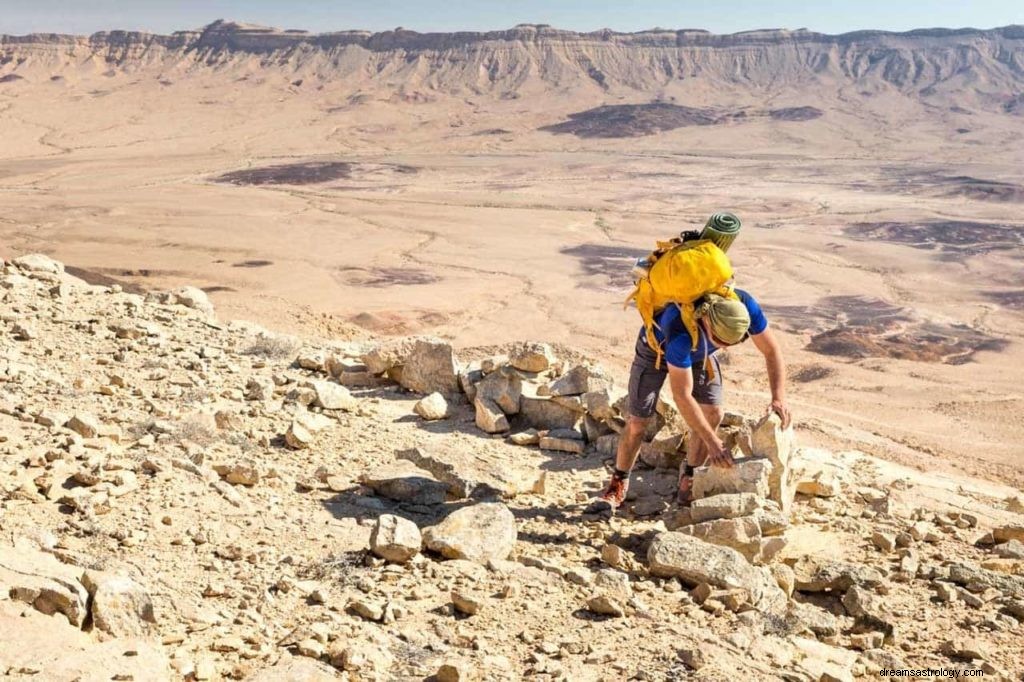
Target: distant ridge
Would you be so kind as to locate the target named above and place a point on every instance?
(965, 68)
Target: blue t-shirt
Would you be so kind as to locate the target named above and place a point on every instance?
(676, 341)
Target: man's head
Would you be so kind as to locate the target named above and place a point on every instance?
(725, 320)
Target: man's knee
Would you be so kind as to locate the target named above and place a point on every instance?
(636, 426)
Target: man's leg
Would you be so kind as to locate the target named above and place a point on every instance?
(645, 382)
(629, 442)
(707, 390)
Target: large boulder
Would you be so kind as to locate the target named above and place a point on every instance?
(431, 367)
(477, 474)
(769, 440)
(403, 481)
(432, 407)
(696, 561)
(332, 396)
(37, 262)
(120, 606)
(478, 533)
(388, 355)
(193, 297)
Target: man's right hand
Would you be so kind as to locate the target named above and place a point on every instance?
(721, 457)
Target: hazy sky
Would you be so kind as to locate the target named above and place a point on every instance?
(720, 16)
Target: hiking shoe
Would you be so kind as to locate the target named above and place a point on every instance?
(615, 494)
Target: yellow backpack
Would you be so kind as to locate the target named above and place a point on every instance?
(680, 273)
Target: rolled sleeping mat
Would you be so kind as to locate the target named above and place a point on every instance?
(722, 229)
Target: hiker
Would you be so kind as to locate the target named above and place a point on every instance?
(695, 378)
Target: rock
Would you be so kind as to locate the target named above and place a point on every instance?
(599, 404)
(692, 658)
(1012, 549)
(1010, 585)
(769, 440)
(664, 453)
(312, 359)
(395, 539)
(432, 407)
(945, 592)
(504, 387)
(467, 603)
(298, 437)
(606, 606)
(477, 474)
(562, 445)
(822, 483)
(867, 641)
(37, 262)
(883, 541)
(431, 367)
(868, 612)
(369, 656)
(612, 555)
(817, 620)
(403, 481)
(478, 533)
(579, 380)
(825, 663)
(331, 396)
(119, 606)
(1009, 532)
(725, 506)
(545, 414)
(388, 355)
(813, 574)
(368, 609)
(295, 669)
(456, 671)
(259, 388)
(489, 417)
(193, 297)
(695, 561)
(1015, 503)
(531, 357)
(84, 424)
(38, 579)
(965, 648)
(239, 473)
(784, 578)
(747, 476)
(528, 437)
(40, 647)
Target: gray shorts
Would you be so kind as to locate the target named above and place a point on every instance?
(645, 381)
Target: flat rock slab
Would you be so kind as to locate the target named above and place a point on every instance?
(696, 561)
(813, 574)
(60, 651)
(403, 481)
(40, 580)
(747, 476)
(478, 473)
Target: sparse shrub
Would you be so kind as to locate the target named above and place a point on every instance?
(271, 347)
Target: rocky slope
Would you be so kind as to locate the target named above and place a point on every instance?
(961, 68)
(185, 499)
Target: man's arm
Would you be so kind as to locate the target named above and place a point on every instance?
(772, 352)
(680, 380)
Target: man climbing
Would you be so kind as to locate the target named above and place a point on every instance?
(695, 379)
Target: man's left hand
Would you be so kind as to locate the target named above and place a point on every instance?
(779, 407)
